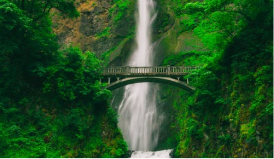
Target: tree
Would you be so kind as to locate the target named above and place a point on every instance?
(26, 41)
(40, 9)
(218, 21)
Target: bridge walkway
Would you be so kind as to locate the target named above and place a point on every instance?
(164, 74)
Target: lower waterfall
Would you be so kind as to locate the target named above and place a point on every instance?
(150, 154)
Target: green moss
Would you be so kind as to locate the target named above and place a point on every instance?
(104, 33)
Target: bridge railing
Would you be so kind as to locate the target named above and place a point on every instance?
(161, 70)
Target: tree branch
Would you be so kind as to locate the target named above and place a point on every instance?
(46, 6)
(44, 12)
(22, 4)
(238, 12)
(31, 6)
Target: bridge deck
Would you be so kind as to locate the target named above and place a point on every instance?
(163, 74)
(166, 71)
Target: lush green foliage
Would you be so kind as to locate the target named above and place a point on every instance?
(216, 22)
(231, 113)
(195, 58)
(122, 7)
(51, 102)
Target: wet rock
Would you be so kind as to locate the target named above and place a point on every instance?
(98, 10)
(125, 27)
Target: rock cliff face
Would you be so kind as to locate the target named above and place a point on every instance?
(91, 31)
(96, 29)
(107, 29)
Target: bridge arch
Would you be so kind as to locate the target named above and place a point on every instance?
(166, 80)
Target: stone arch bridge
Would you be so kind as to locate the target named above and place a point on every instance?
(120, 76)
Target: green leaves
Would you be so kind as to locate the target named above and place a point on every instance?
(13, 25)
(66, 7)
(11, 16)
(49, 97)
(74, 74)
(234, 89)
(120, 9)
(264, 75)
(216, 22)
(268, 110)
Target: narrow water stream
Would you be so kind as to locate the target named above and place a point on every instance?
(139, 120)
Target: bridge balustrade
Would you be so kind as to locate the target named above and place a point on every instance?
(140, 71)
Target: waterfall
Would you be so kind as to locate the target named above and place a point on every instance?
(149, 154)
(138, 119)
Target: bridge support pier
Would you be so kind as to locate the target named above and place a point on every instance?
(127, 70)
(118, 78)
(168, 69)
(187, 81)
(178, 78)
(108, 80)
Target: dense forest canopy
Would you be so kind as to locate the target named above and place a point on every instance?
(51, 102)
(217, 22)
(231, 114)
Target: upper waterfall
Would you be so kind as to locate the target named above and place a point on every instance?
(143, 54)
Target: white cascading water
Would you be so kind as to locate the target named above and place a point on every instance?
(149, 154)
(138, 119)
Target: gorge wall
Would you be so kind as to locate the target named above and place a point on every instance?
(107, 28)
